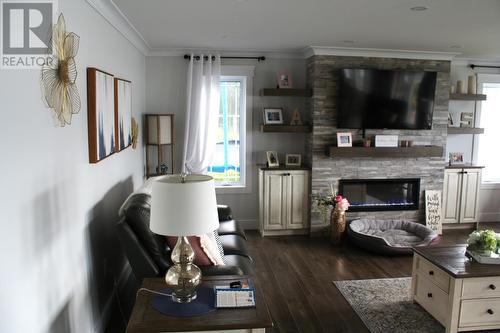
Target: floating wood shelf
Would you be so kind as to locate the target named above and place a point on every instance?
(465, 130)
(285, 129)
(415, 151)
(468, 97)
(286, 92)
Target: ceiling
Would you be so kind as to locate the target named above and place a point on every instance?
(468, 27)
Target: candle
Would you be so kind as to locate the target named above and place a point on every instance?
(471, 86)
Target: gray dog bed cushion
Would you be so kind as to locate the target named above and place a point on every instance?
(389, 236)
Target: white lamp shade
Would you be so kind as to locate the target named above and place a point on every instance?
(183, 209)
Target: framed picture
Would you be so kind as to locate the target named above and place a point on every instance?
(284, 79)
(272, 159)
(273, 116)
(344, 139)
(456, 158)
(123, 114)
(293, 160)
(101, 114)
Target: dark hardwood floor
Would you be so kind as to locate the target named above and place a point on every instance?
(295, 274)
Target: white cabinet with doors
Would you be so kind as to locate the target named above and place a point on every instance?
(283, 202)
(461, 195)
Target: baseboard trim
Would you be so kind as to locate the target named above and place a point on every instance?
(459, 226)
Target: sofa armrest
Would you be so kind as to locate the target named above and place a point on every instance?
(221, 270)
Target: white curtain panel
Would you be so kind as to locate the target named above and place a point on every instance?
(202, 110)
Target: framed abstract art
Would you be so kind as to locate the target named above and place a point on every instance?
(101, 114)
(123, 113)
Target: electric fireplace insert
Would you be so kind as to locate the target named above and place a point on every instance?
(381, 194)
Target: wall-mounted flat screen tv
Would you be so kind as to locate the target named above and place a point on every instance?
(392, 99)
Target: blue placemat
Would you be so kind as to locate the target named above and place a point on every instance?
(203, 304)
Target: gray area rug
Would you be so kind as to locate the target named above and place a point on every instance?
(386, 306)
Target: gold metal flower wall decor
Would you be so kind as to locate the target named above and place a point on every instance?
(135, 133)
(59, 76)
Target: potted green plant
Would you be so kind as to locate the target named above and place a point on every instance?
(483, 242)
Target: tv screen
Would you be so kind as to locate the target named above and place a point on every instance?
(373, 98)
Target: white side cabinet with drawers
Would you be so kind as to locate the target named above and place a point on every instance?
(283, 202)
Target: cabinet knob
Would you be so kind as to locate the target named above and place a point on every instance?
(490, 311)
(429, 295)
(492, 287)
(431, 272)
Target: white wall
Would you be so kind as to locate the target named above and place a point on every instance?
(489, 209)
(166, 93)
(59, 252)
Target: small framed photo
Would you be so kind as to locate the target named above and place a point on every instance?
(293, 160)
(456, 158)
(272, 159)
(273, 116)
(284, 79)
(344, 139)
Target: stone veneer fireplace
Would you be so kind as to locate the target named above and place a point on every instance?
(322, 77)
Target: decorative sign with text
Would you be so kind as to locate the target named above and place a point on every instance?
(433, 218)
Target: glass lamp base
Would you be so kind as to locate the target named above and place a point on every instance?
(183, 298)
(183, 277)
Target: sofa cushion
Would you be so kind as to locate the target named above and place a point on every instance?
(233, 244)
(205, 249)
(231, 227)
(244, 263)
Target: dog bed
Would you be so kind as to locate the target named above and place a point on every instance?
(390, 236)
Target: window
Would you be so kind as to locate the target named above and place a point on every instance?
(229, 164)
(489, 119)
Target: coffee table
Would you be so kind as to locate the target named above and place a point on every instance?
(461, 294)
(145, 318)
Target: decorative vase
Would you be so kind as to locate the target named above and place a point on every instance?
(337, 226)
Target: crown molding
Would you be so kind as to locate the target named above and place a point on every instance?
(269, 54)
(115, 17)
(464, 61)
(378, 53)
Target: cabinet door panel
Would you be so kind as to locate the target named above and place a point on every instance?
(297, 203)
(451, 195)
(471, 182)
(274, 214)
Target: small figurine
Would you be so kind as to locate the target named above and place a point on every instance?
(296, 120)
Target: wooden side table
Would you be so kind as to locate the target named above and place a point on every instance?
(145, 318)
(461, 294)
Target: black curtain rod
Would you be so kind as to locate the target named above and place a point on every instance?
(187, 56)
(483, 66)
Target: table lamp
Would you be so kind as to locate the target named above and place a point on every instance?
(183, 205)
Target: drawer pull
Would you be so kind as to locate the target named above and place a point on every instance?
(492, 287)
(431, 272)
(429, 295)
(490, 311)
